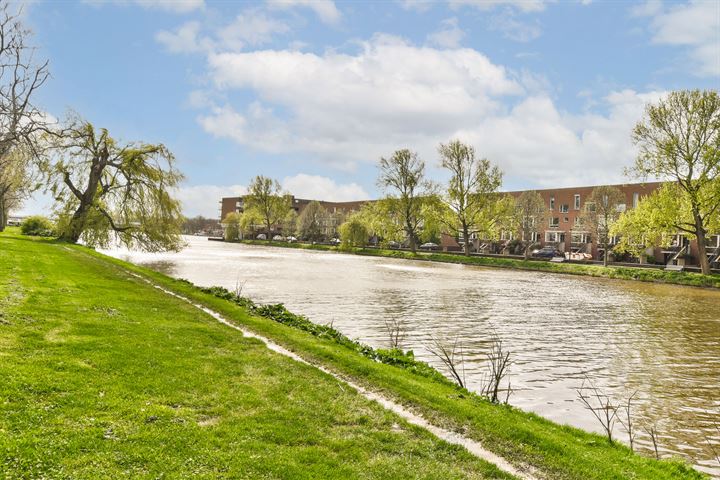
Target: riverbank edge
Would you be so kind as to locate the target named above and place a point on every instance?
(688, 279)
(524, 438)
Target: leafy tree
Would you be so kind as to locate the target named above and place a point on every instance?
(679, 140)
(602, 211)
(267, 201)
(530, 214)
(382, 220)
(198, 223)
(312, 222)
(472, 191)
(16, 182)
(106, 190)
(290, 222)
(402, 176)
(37, 225)
(231, 222)
(353, 233)
(20, 120)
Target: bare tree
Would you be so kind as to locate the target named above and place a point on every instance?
(600, 405)
(653, 434)
(530, 215)
(627, 421)
(499, 361)
(472, 194)
(21, 75)
(403, 178)
(396, 330)
(450, 353)
(602, 210)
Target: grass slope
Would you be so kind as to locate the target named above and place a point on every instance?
(170, 354)
(623, 273)
(104, 376)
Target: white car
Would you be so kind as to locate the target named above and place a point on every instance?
(291, 239)
(429, 245)
(261, 237)
(278, 238)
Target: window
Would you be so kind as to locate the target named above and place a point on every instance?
(506, 235)
(636, 199)
(621, 207)
(564, 208)
(577, 201)
(578, 221)
(534, 237)
(566, 219)
(580, 238)
(554, 237)
(555, 222)
(552, 202)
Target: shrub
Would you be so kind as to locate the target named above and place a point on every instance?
(37, 225)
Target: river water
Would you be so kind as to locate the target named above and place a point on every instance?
(660, 341)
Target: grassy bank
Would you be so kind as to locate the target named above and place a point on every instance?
(623, 273)
(108, 377)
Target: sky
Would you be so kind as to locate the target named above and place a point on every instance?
(314, 92)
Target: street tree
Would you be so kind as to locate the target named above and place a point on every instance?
(266, 200)
(471, 195)
(21, 76)
(679, 141)
(107, 190)
(312, 221)
(402, 176)
(530, 214)
(602, 211)
(353, 233)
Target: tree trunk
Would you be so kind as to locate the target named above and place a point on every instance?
(700, 236)
(466, 237)
(526, 254)
(605, 254)
(77, 223)
(3, 216)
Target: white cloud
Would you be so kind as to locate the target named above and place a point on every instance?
(184, 39)
(514, 29)
(448, 36)
(204, 199)
(538, 143)
(521, 5)
(694, 25)
(174, 6)
(252, 28)
(416, 5)
(316, 187)
(324, 9)
(346, 108)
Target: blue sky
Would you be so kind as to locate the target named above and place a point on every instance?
(313, 92)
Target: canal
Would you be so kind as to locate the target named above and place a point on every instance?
(660, 341)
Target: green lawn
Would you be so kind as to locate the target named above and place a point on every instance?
(104, 376)
(623, 273)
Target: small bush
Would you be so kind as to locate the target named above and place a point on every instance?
(37, 226)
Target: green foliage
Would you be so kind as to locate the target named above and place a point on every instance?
(529, 216)
(107, 191)
(266, 202)
(353, 233)
(679, 140)
(231, 223)
(312, 222)
(37, 225)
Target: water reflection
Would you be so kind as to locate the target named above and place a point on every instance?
(659, 340)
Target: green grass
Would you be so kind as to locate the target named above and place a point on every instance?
(106, 377)
(623, 273)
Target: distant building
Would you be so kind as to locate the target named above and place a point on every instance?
(563, 228)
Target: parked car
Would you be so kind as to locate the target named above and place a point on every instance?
(335, 241)
(547, 252)
(291, 239)
(278, 238)
(429, 246)
(261, 237)
(393, 244)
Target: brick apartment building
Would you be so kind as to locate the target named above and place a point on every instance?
(563, 229)
(338, 210)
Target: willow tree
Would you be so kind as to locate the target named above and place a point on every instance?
(312, 222)
(529, 215)
(110, 191)
(265, 200)
(16, 181)
(472, 194)
(402, 176)
(679, 141)
(602, 211)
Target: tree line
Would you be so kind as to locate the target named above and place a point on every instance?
(677, 139)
